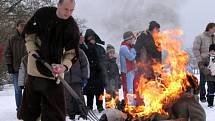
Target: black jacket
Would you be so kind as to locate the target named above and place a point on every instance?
(97, 60)
(79, 71)
(145, 41)
(146, 53)
(113, 81)
(54, 35)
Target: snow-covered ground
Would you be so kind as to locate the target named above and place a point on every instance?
(8, 107)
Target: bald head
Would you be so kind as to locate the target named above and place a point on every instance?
(65, 8)
(61, 1)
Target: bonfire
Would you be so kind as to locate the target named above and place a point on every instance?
(171, 79)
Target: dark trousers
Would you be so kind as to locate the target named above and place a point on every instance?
(211, 90)
(90, 98)
(71, 103)
(45, 98)
(202, 86)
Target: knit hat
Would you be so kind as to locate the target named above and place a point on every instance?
(212, 47)
(110, 48)
(128, 35)
(153, 24)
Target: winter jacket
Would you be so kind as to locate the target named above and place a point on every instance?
(22, 78)
(127, 58)
(204, 67)
(113, 81)
(146, 49)
(14, 51)
(97, 59)
(75, 77)
(79, 71)
(147, 53)
(127, 61)
(54, 39)
(201, 45)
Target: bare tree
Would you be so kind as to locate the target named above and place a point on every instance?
(81, 24)
(10, 12)
(13, 10)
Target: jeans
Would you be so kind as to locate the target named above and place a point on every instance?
(130, 88)
(202, 86)
(17, 89)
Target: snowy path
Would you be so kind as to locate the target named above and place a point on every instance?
(8, 112)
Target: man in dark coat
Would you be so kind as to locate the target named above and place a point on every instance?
(15, 50)
(147, 51)
(75, 77)
(53, 35)
(97, 59)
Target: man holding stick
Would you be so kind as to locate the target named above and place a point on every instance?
(53, 35)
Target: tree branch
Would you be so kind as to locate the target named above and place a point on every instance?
(13, 6)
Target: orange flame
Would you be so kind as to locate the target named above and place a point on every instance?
(169, 85)
(110, 101)
(171, 79)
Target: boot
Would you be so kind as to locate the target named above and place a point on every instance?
(210, 99)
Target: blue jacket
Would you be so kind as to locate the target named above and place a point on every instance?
(126, 54)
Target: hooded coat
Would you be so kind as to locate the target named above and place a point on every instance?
(97, 59)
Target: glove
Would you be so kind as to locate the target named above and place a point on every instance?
(10, 69)
(59, 69)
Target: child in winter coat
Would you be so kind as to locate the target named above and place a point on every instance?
(208, 67)
(127, 55)
(113, 81)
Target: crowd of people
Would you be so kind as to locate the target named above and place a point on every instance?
(53, 35)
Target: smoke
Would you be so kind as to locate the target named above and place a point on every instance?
(110, 18)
